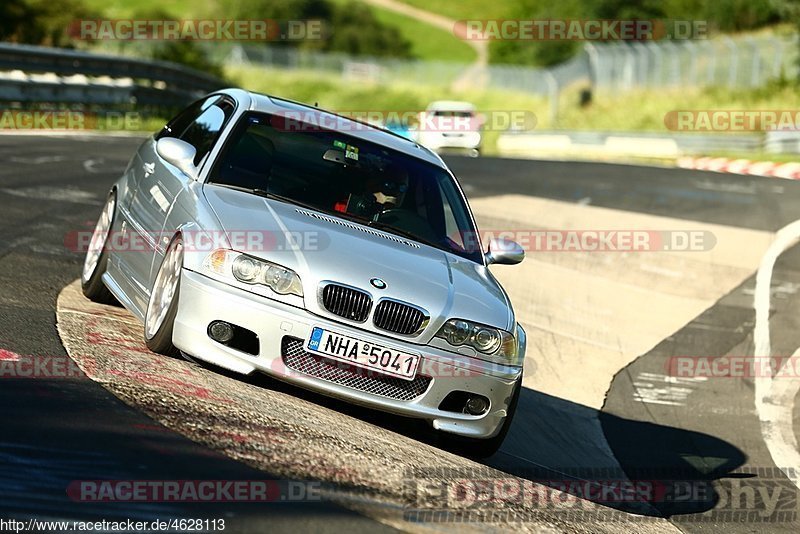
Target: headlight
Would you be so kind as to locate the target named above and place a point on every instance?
(456, 332)
(250, 270)
(246, 269)
(487, 340)
(491, 343)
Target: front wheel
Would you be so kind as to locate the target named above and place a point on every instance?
(96, 260)
(163, 305)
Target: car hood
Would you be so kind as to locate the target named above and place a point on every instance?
(333, 249)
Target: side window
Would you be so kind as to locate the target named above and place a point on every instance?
(203, 131)
(182, 120)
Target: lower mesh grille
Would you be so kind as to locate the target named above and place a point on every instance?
(295, 357)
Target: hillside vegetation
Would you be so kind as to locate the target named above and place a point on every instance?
(361, 29)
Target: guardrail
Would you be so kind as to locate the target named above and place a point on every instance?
(33, 74)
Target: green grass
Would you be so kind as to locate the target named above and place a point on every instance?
(181, 9)
(645, 110)
(427, 42)
(467, 9)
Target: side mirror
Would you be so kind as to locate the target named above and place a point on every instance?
(504, 252)
(178, 153)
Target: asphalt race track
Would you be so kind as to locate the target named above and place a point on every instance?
(602, 401)
(66, 428)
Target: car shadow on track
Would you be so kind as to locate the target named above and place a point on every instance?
(559, 443)
(577, 450)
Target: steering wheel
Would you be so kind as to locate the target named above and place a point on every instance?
(388, 211)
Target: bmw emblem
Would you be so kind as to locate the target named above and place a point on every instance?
(378, 283)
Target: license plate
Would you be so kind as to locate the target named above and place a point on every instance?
(363, 353)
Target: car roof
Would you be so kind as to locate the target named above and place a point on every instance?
(359, 130)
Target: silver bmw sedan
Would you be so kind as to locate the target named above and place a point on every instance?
(262, 235)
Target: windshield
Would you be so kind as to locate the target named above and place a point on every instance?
(346, 176)
(453, 113)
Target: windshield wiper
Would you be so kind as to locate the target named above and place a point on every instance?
(254, 191)
(267, 194)
(289, 200)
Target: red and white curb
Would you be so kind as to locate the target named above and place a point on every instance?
(8, 356)
(790, 171)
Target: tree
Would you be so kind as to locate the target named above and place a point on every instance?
(186, 52)
(351, 27)
(543, 52)
(355, 30)
(14, 17)
(39, 22)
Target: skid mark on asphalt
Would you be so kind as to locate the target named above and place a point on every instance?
(362, 466)
(775, 399)
(655, 388)
(38, 160)
(101, 166)
(76, 196)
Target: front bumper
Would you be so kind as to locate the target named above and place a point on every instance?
(278, 325)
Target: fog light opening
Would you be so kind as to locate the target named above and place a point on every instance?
(476, 405)
(220, 331)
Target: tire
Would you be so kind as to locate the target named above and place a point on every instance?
(162, 307)
(96, 259)
(484, 448)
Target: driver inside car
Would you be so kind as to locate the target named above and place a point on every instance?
(383, 191)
